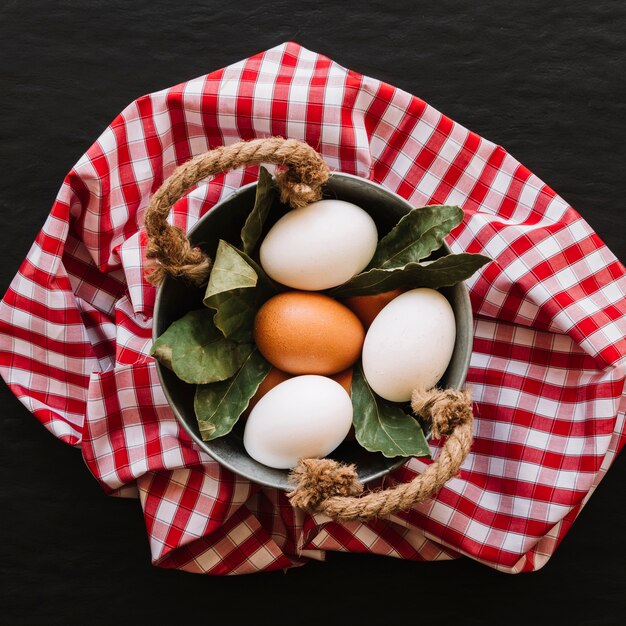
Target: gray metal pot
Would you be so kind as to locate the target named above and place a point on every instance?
(175, 298)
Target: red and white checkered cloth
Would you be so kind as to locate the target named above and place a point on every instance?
(549, 357)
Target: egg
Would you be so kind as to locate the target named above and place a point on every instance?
(409, 343)
(319, 246)
(366, 308)
(308, 333)
(345, 379)
(303, 417)
(274, 377)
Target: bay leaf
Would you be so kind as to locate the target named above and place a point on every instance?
(237, 288)
(266, 195)
(443, 272)
(197, 352)
(381, 426)
(218, 406)
(234, 314)
(162, 353)
(415, 236)
(230, 271)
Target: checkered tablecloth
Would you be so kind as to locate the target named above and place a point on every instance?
(549, 355)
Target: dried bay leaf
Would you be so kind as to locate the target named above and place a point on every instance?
(196, 350)
(442, 272)
(162, 353)
(218, 406)
(415, 236)
(230, 271)
(234, 314)
(237, 288)
(266, 195)
(381, 426)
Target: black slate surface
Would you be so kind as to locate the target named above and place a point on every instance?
(543, 79)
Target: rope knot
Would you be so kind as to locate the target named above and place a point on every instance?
(300, 185)
(317, 480)
(445, 408)
(174, 255)
(294, 193)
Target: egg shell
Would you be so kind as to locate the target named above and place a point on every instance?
(345, 379)
(366, 308)
(303, 417)
(308, 333)
(409, 344)
(274, 377)
(319, 246)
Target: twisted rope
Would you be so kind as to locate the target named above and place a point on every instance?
(168, 245)
(325, 486)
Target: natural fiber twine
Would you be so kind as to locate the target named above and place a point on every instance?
(321, 485)
(168, 245)
(325, 486)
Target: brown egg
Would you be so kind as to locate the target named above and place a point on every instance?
(308, 333)
(367, 308)
(273, 378)
(344, 379)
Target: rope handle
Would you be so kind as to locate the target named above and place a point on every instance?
(325, 486)
(321, 485)
(168, 245)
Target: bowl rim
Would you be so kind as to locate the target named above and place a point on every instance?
(465, 307)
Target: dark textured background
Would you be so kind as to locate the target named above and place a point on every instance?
(543, 79)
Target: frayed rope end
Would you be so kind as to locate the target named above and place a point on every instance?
(446, 408)
(316, 480)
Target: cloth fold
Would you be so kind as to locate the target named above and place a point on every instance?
(549, 355)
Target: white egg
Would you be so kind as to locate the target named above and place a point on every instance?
(303, 417)
(319, 246)
(409, 343)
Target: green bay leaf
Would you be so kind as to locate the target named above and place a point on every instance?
(266, 195)
(162, 352)
(234, 314)
(381, 426)
(237, 288)
(218, 406)
(230, 271)
(415, 236)
(443, 272)
(196, 350)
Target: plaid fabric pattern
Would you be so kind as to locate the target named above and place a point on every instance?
(549, 357)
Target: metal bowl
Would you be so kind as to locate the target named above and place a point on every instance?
(175, 298)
